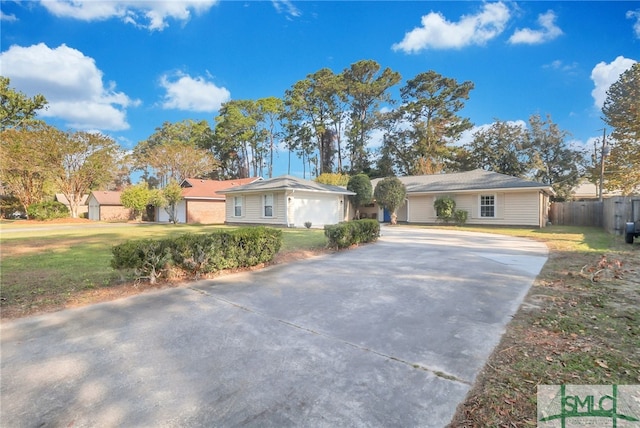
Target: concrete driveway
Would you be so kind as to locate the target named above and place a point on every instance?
(388, 334)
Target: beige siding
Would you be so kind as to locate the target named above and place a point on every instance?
(522, 208)
(517, 208)
(421, 209)
(252, 209)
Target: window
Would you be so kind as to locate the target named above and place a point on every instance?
(237, 206)
(487, 206)
(268, 205)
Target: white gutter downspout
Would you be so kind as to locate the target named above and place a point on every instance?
(286, 206)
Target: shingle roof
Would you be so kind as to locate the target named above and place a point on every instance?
(477, 179)
(105, 197)
(196, 188)
(287, 182)
(63, 199)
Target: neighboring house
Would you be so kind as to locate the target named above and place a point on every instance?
(586, 191)
(287, 201)
(488, 197)
(83, 208)
(106, 206)
(200, 203)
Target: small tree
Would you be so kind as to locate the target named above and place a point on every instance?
(361, 185)
(136, 198)
(389, 194)
(168, 199)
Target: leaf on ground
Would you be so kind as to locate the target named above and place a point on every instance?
(602, 363)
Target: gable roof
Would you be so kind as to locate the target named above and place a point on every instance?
(196, 188)
(478, 179)
(60, 197)
(107, 197)
(287, 182)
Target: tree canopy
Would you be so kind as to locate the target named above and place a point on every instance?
(83, 161)
(176, 151)
(554, 162)
(16, 108)
(419, 134)
(621, 111)
(503, 147)
(27, 155)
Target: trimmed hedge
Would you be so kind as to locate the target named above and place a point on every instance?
(350, 233)
(198, 254)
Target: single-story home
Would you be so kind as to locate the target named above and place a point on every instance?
(105, 205)
(83, 208)
(200, 203)
(488, 197)
(287, 201)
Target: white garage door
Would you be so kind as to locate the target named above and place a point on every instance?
(181, 209)
(318, 209)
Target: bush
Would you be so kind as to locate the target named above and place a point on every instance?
(47, 210)
(445, 209)
(148, 258)
(198, 254)
(350, 233)
(460, 217)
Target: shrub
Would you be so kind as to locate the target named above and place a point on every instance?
(198, 254)
(445, 209)
(307, 224)
(460, 217)
(148, 258)
(47, 210)
(350, 233)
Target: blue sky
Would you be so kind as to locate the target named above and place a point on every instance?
(125, 67)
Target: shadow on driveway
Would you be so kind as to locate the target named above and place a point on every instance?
(388, 334)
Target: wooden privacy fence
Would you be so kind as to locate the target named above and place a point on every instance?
(611, 214)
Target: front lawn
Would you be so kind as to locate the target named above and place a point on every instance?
(54, 267)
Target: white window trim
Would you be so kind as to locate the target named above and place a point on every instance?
(495, 205)
(241, 199)
(264, 205)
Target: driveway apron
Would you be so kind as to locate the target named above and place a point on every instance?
(386, 334)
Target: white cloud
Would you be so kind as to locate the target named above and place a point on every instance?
(287, 7)
(561, 66)
(549, 31)
(7, 18)
(192, 94)
(71, 83)
(152, 15)
(636, 26)
(438, 33)
(604, 75)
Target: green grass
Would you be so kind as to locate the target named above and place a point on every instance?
(50, 265)
(558, 238)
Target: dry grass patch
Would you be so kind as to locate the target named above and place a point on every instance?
(579, 324)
